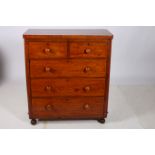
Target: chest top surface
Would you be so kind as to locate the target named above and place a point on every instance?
(68, 33)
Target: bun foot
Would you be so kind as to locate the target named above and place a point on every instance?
(33, 122)
(101, 121)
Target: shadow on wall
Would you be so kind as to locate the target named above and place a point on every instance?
(1, 67)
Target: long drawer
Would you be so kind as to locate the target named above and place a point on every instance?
(72, 107)
(68, 68)
(68, 87)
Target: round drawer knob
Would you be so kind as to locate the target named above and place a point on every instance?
(87, 51)
(87, 88)
(86, 106)
(47, 50)
(47, 69)
(87, 69)
(48, 107)
(48, 88)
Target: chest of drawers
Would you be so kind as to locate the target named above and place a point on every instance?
(67, 73)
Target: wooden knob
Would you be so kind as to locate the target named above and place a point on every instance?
(87, 88)
(47, 50)
(87, 69)
(87, 51)
(86, 106)
(48, 107)
(48, 88)
(47, 69)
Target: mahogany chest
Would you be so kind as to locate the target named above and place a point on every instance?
(67, 73)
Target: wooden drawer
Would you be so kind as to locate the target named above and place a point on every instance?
(47, 49)
(68, 87)
(73, 107)
(88, 50)
(68, 68)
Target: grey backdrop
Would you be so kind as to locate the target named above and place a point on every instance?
(133, 54)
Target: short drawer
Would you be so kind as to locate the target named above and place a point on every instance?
(72, 107)
(47, 49)
(88, 50)
(68, 68)
(68, 87)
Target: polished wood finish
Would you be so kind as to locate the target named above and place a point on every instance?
(47, 50)
(68, 68)
(67, 107)
(68, 87)
(67, 73)
(88, 50)
(66, 34)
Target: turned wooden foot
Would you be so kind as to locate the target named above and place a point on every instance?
(101, 121)
(33, 121)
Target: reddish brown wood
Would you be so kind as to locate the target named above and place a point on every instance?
(66, 34)
(28, 83)
(47, 50)
(68, 68)
(68, 87)
(65, 107)
(107, 82)
(67, 73)
(88, 49)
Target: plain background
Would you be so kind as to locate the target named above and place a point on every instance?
(133, 54)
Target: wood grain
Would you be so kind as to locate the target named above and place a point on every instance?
(67, 34)
(67, 68)
(68, 87)
(95, 50)
(67, 73)
(47, 50)
(63, 107)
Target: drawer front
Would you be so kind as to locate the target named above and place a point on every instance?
(73, 107)
(68, 68)
(47, 50)
(68, 87)
(88, 50)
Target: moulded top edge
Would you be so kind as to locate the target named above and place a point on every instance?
(36, 33)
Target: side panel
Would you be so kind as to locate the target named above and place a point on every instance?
(28, 83)
(107, 82)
